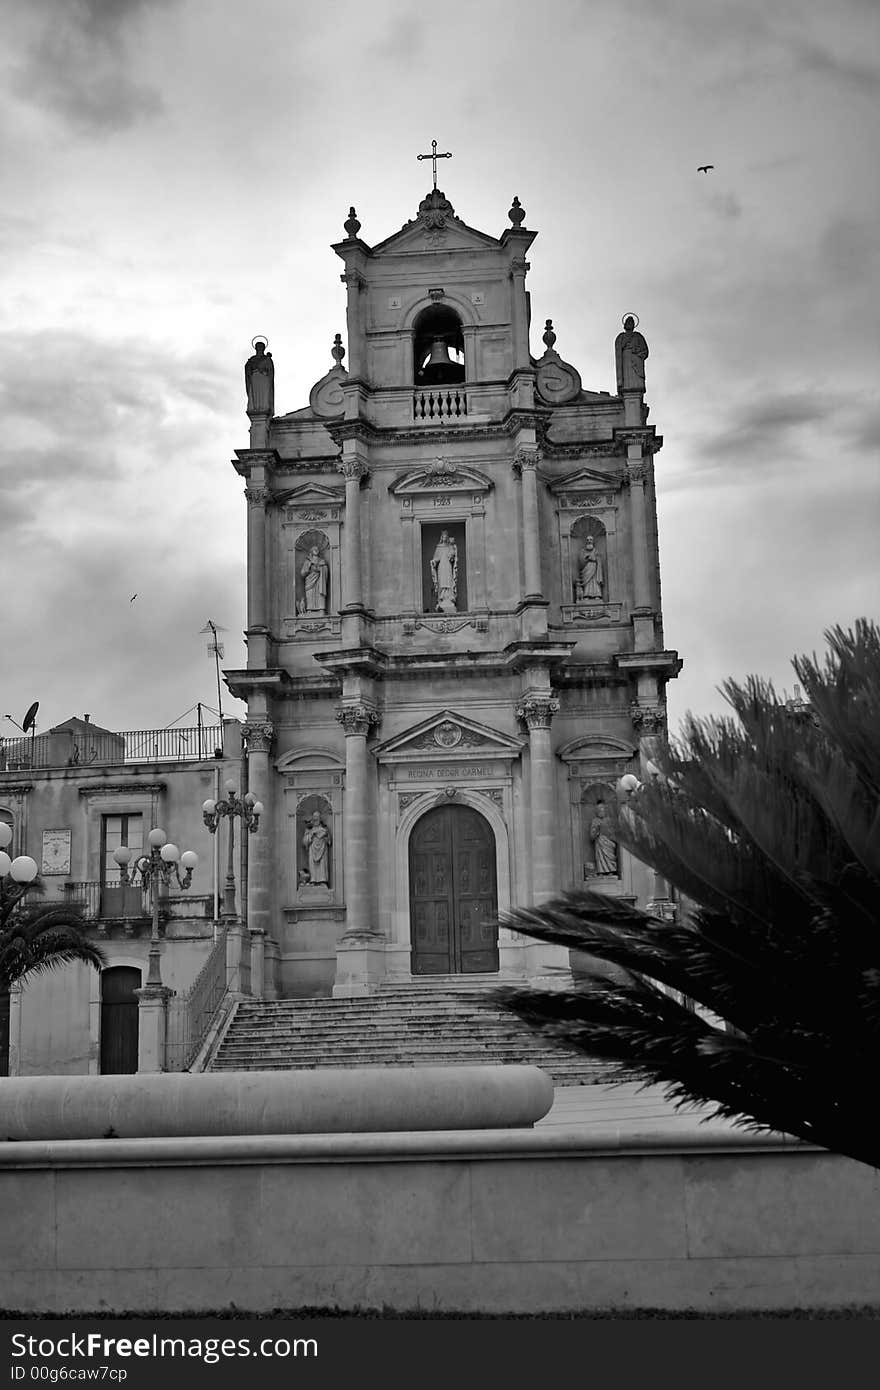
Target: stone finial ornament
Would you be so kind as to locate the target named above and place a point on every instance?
(351, 224)
(548, 337)
(517, 213)
(337, 352)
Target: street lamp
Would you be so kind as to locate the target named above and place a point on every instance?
(160, 866)
(249, 809)
(16, 875)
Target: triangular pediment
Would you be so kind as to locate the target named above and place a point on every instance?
(440, 475)
(312, 495)
(446, 736)
(585, 478)
(414, 238)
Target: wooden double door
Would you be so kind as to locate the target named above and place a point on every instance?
(453, 893)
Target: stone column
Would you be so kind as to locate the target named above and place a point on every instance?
(258, 735)
(353, 469)
(537, 711)
(257, 497)
(152, 1025)
(637, 476)
(519, 314)
(360, 954)
(258, 962)
(526, 460)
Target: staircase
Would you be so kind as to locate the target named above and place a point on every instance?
(436, 1024)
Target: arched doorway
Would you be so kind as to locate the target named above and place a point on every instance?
(453, 896)
(119, 1019)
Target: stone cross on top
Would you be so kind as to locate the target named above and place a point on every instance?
(434, 156)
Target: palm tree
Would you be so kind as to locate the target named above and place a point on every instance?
(768, 824)
(36, 937)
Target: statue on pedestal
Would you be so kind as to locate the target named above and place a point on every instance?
(316, 843)
(444, 573)
(630, 351)
(259, 379)
(591, 575)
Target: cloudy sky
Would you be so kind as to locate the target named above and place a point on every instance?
(173, 172)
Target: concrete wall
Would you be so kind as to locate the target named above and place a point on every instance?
(504, 1222)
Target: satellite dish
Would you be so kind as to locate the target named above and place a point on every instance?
(30, 717)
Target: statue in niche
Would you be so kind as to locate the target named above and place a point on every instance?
(604, 846)
(630, 351)
(316, 842)
(591, 574)
(444, 573)
(315, 574)
(259, 379)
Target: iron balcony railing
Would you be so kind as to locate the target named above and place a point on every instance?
(190, 1014)
(106, 901)
(68, 749)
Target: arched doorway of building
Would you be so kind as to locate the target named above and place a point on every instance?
(119, 1019)
(452, 893)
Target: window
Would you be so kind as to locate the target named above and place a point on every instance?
(116, 831)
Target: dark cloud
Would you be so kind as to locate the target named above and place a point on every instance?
(78, 64)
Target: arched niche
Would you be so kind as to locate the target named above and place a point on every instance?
(438, 346)
(312, 576)
(312, 780)
(314, 842)
(600, 853)
(588, 582)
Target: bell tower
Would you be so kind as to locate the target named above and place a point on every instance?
(455, 642)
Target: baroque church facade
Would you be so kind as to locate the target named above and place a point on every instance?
(454, 627)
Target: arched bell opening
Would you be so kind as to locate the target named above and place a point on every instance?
(438, 347)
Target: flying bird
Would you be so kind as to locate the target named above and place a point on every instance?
(132, 599)
(704, 168)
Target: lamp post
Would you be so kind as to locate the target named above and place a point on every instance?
(248, 810)
(16, 875)
(159, 867)
(661, 903)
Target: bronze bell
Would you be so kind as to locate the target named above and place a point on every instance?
(439, 355)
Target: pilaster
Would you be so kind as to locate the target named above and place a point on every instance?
(152, 1026)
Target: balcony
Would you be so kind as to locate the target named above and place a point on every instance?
(439, 405)
(65, 748)
(128, 906)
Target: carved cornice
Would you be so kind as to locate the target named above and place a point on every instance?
(536, 711)
(648, 719)
(357, 719)
(594, 449)
(343, 430)
(645, 437)
(258, 736)
(122, 789)
(16, 789)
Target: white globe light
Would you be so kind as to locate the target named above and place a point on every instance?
(24, 869)
(257, 808)
(170, 853)
(156, 838)
(209, 807)
(122, 855)
(628, 783)
(5, 863)
(249, 799)
(5, 834)
(189, 859)
(230, 787)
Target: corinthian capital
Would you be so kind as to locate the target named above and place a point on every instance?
(352, 468)
(258, 736)
(526, 459)
(258, 496)
(357, 719)
(536, 711)
(648, 719)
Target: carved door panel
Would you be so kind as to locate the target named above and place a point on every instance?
(453, 899)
